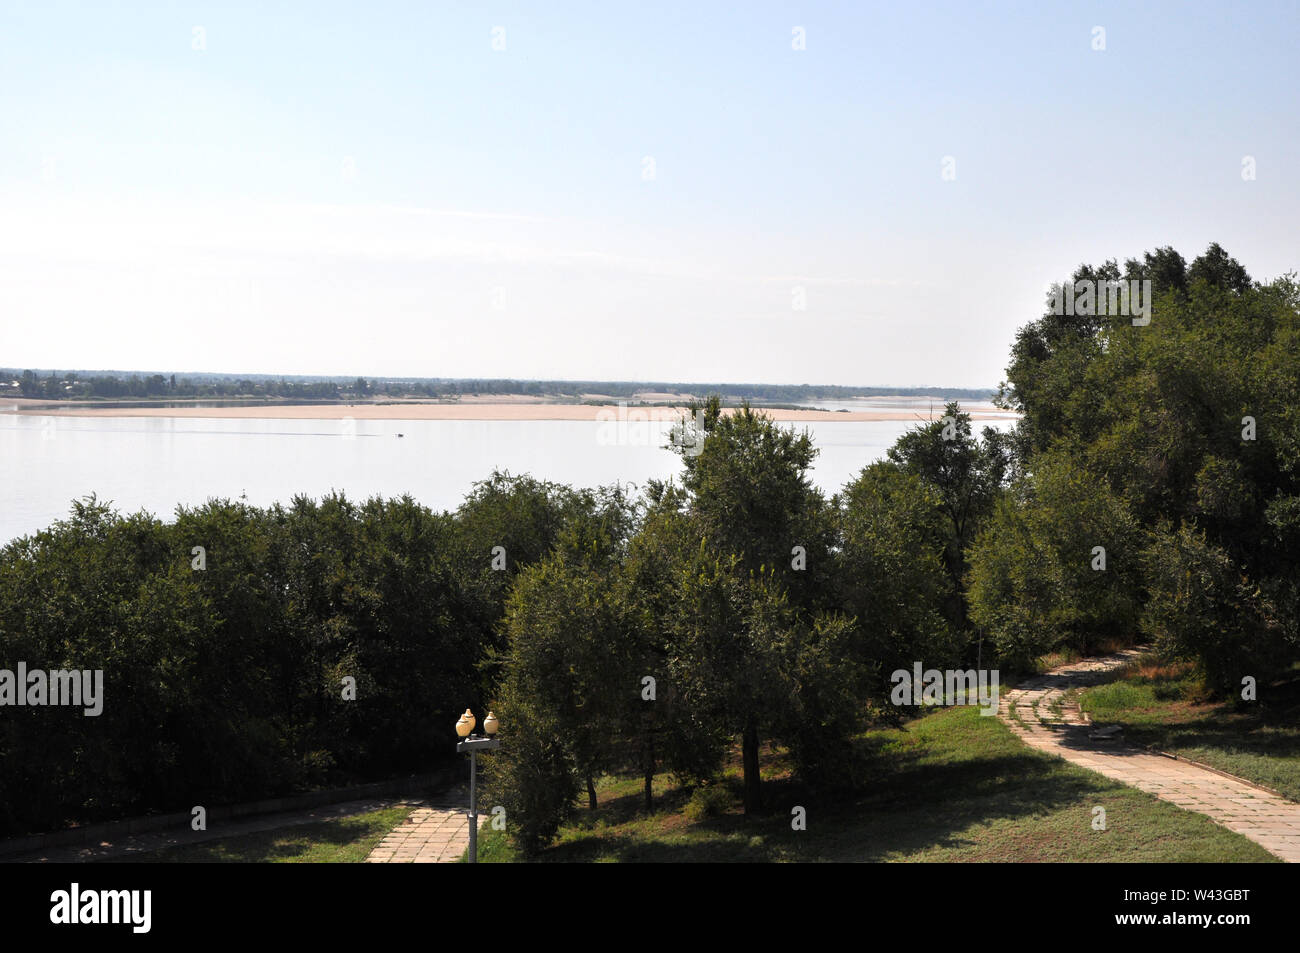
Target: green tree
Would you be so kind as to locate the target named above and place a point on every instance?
(893, 539)
(1203, 607)
(1189, 421)
(966, 474)
(568, 691)
(1060, 563)
(746, 604)
(750, 496)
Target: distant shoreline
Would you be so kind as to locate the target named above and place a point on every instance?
(475, 409)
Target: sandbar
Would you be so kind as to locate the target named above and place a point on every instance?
(469, 410)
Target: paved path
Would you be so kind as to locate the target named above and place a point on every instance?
(437, 832)
(1038, 713)
(136, 844)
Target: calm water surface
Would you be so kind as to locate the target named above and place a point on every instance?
(158, 463)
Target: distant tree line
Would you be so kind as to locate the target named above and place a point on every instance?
(83, 385)
(74, 385)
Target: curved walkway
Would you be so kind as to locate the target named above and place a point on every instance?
(1038, 713)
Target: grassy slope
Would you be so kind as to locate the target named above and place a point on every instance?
(340, 841)
(1165, 707)
(952, 786)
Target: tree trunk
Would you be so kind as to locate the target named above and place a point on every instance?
(749, 750)
(591, 794)
(649, 767)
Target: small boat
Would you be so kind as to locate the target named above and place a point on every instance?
(401, 435)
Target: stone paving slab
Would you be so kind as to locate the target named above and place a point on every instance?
(436, 832)
(1266, 818)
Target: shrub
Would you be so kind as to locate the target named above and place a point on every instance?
(710, 800)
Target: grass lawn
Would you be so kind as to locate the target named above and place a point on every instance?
(950, 786)
(343, 840)
(1165, 706)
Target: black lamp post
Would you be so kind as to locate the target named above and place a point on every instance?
(474, 744)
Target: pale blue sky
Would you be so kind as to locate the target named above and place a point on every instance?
(372, 188)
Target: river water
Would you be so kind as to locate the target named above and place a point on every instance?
(156, 463)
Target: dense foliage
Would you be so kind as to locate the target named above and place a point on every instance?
(1149, 490)
(1172, 445)
(226, 682)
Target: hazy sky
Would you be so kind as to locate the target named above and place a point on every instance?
(623, 191)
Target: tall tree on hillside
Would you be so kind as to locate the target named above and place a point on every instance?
(669, 730)
(569, 689)
(965, 473)
(751, 496)
(891, 574)
(1189, 422)
(1059, 563)
(746, 601)
(1164, 268)
(1218, 269)
(506, 524)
